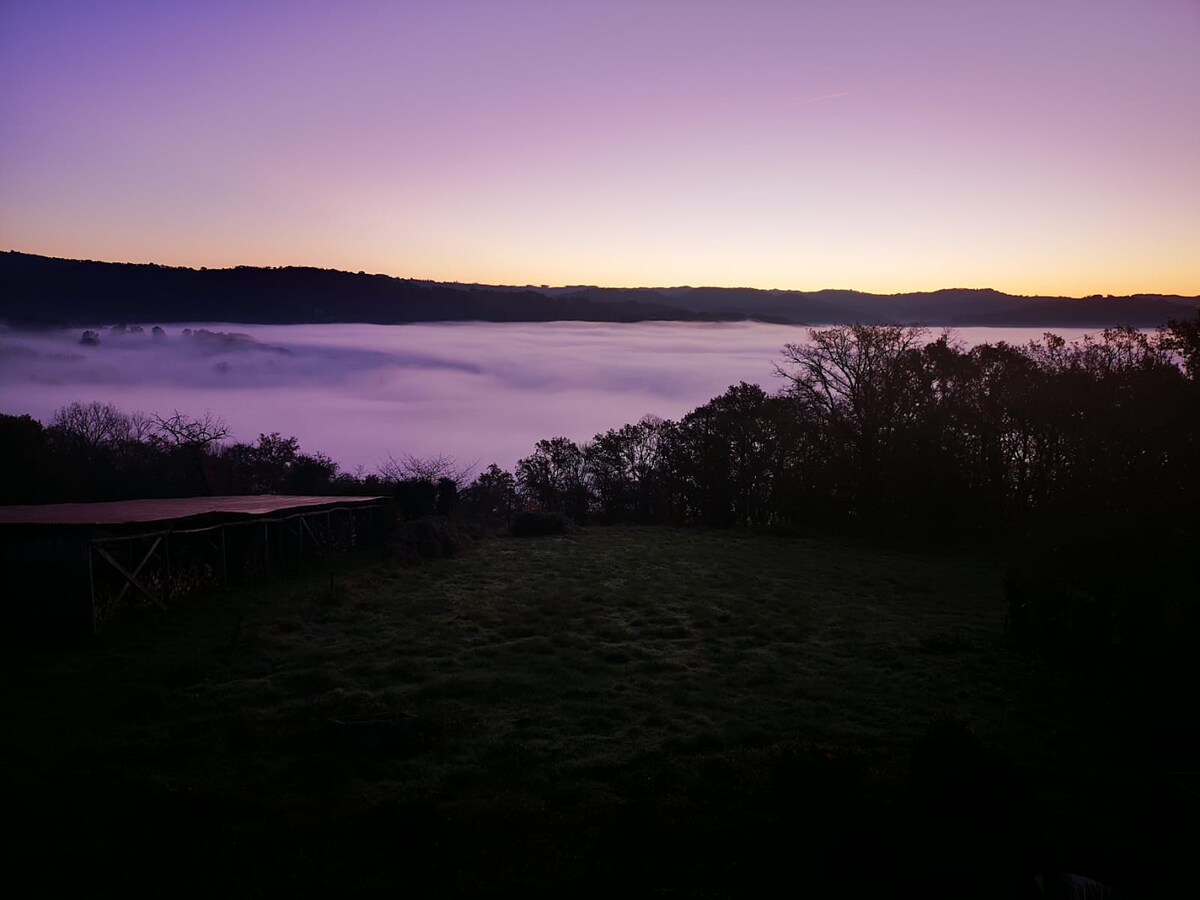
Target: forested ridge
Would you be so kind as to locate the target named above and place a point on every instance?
(38, 291)
(43, 291)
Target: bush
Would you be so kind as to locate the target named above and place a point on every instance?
(447, 496)
(416, 497)
(532, 524)
(431, 538)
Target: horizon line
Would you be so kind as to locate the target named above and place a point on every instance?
(625, 287)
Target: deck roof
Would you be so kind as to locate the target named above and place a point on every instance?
(128, 512)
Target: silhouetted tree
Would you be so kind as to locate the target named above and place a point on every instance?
(91, 428)
(191, 439)
(722, 453)
(26, 465)
(862, 382)
(492, 495)
(1181, 337)
(263, 467)
(623, 467)
(181, 430)
(554, 478)
(310, 473)
(407, 467)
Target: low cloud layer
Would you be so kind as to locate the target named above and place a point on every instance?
(481, 392)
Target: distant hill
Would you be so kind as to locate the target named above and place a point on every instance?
(951, 307)
(39, 290)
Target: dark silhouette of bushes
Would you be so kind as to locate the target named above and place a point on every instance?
(535, 524)
(416, 498)
(447, 496)
(26, 466)
(435, 537)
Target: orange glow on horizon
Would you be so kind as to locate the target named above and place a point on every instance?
(1180, 281)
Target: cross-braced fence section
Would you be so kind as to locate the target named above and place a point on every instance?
(152, 568)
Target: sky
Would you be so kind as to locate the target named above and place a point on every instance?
(1032, 146)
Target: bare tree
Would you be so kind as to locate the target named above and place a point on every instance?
(141, 427)
(192, 437)
(852, 375)
(183, 431)
(862, 384)
(92, 426)
(433, 469)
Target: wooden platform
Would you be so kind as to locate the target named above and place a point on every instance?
(74, 565)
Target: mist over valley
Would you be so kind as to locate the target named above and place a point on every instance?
(480, 392)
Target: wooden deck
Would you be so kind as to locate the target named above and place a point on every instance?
(79, 563)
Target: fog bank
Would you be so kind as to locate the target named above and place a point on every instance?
(481, 392)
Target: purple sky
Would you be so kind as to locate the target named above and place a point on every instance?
(1035, 146)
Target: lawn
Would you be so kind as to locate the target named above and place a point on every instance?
(681, 711)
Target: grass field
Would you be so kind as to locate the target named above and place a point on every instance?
(680, 711)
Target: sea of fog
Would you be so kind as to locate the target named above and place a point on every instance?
(480, 392)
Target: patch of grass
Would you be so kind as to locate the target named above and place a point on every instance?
(565, 702)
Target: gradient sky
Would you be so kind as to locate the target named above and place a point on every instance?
(1034, 146)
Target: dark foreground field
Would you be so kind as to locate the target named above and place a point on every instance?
(684, 713)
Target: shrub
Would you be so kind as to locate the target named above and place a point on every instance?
(416, 497)
(431, 538)
(533, 524)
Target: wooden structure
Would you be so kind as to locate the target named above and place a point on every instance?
(74, 565)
